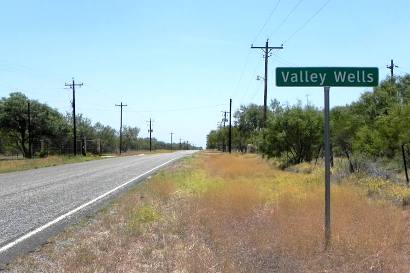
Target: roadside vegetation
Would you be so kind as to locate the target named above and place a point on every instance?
(373, 130)
(235, 213)
(22, 164)
(12, 165)
(43, 131)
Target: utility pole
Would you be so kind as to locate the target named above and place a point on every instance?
(121, 106)
(392, 66)
(72, 85)
(307, 100)
(267, 51)
(29, 130)
(180, 143)
(224, 121)
(171, 139)
(150, 135)
(230, 126)
(405, 163)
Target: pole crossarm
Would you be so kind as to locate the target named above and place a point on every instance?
(270, 47)
(72, 86)
(121, 105)
(267, 53)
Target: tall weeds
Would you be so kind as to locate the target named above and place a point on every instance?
(233, 213)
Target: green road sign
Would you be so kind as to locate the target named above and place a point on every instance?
(327, 76)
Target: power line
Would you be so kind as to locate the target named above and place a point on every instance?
(307, 21)
(242, 73)
(403, 70)
(266, 21)
(287, 16)
(283, 60)
(249, 52)
(33, 71)
(181, 109)
(248, 85)
(101, 107)
(254, 93)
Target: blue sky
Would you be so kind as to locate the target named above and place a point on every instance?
(178, 62)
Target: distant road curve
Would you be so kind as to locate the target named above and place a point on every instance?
(36, 204)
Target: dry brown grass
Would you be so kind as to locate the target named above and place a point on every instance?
(27, 164)
(221, 213)
(13, 165)
(235, 166)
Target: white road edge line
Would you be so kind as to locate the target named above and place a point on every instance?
(62, 217)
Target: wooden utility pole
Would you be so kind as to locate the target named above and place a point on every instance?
(405, 163)
(267, 53)
(391, 67)
(30, 143)
(171, 139)
(72, 85)
(121, 106)
(224, 121)
(230, 126)
(150, 135)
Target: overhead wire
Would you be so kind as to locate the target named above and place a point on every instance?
(251, 79)
(287, 16)
(307, 21)
(257, 89)
(283, 60)
(403, 70)
(241, 74)
(105, 108)
(10, 67)
(267, 21)
(275, 7)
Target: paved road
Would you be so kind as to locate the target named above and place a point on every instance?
(31, 199)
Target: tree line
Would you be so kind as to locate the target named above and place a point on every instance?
(375, 126)
(25, 122)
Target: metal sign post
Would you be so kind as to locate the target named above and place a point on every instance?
(326, 77)
(327, 167)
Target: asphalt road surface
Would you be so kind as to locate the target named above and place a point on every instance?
(36, 204)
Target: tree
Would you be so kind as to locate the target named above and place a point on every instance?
(249, 122)
(130, 138)
(344, 125)
(294, 134)
(45, 121)
(108, 137)
(383, 119)
(368, 142)
(212, 140)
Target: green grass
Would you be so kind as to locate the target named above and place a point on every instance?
(140, 217)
